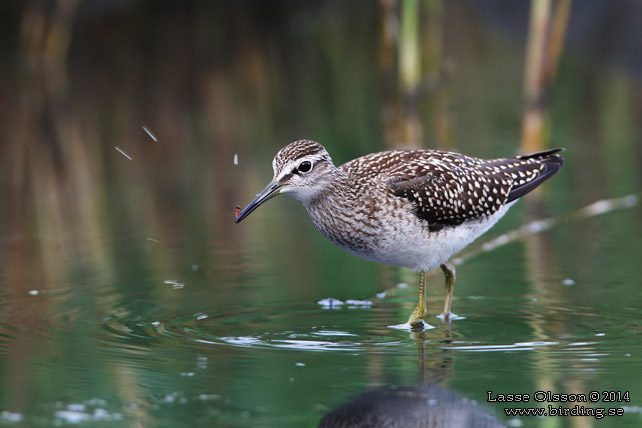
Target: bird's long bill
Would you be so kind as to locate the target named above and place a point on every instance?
(270, 191)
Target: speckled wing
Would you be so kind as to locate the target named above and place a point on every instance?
(448, 189)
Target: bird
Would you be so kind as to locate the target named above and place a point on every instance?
(410, 208)
(424, 406)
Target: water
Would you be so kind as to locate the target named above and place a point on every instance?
(129, 298)
(139, 350)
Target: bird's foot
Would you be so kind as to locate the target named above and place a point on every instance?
(449, 316)
(417, 317)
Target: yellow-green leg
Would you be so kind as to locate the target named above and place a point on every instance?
(421, 310)
(449, 272)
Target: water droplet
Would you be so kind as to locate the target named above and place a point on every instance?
(150, 133)
(122, 152)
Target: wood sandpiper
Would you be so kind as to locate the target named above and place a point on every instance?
(411, 208)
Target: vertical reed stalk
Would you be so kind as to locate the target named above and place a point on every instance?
(545, 43)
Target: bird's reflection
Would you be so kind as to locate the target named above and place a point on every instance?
(427, 405)
(410, 407)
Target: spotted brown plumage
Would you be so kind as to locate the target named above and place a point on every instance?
(412, 208)
(448, 188)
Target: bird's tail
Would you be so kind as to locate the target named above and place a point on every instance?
(550, 162)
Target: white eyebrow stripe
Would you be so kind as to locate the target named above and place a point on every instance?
(292, 165)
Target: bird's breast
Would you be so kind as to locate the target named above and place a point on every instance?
(394, 235)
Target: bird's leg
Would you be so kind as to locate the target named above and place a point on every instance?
(449, 272)
(417, 316)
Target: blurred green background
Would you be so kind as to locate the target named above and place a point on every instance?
(94, 332)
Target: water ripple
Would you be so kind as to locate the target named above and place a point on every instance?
(589, 338)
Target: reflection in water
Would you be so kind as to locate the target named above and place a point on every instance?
(427, 406)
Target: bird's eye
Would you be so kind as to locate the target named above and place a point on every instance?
(305, 166)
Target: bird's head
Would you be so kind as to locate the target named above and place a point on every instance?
(302, 168)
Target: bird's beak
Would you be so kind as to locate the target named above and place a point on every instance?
(270, 191)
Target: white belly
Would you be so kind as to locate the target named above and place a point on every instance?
(411, 245)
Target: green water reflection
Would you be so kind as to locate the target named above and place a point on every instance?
(129, 298)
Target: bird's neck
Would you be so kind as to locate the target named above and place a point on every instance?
(332, 206)
(335, 194)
